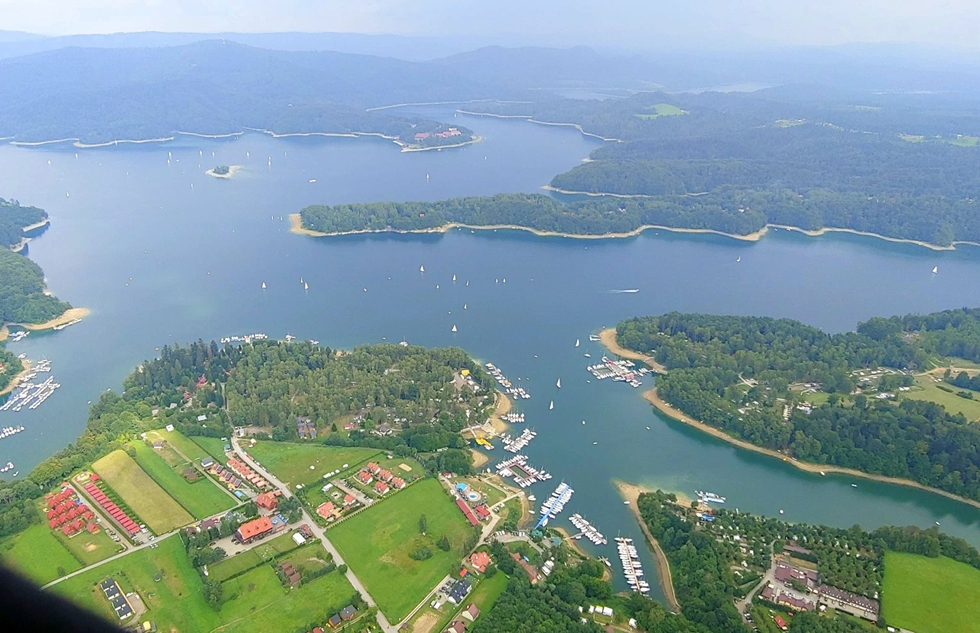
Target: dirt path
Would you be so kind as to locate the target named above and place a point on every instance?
(631, 493)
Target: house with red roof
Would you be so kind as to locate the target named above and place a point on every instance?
(397, 482)
(267, 500)
(349, 500)
(373, 468)
(364, 477)
(385, 475)
(479, 561)
(381, 487)
(326, 510)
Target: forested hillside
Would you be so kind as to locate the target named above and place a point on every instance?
(750, 377)
(895, 165)
(22, 298)
(212, 87)
(13, 219)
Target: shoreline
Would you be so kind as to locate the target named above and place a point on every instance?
(608, 338)
(68, 315)
(432, 103)
(36, 225)
(631, 493)
(16, 379)
(298, 228)
(665, 408)
(896, 240)
(502, 407)
(232, 170)
(669, 411)
(530, 119)
(593, 194)
(479, 459)
(408, 148)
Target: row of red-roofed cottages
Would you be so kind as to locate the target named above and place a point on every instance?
(66, 513)
(111, 508)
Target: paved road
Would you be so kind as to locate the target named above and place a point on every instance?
(317, 531)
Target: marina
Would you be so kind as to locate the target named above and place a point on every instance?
(509, 388)
(68, 324)
(587, 530)
(555, 504)
(8, 466)
(7, 431)
(517, 444)
(30, 394)
(523, 473)
(709, 497)
(243, 338)
(632, 569)
(19, 336)
(618, 370)
(513, 418)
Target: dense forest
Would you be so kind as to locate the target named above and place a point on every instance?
(212, 87)
(22, 298)
(702, 555)
(10, 366)
(900, 167)
(533, 211)
(747, 376)
(13, 219)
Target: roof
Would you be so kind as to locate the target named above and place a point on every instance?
(480, 560)
(348, 612)
(254, 528)
(457, 626)
(326, 509)
(465, 509)
(473, 610)
(266, 500)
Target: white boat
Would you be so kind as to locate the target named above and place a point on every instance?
(306, 286)
(263, 285)
(551, 406)
(576, 342)
(454, 277)
(464, 306)
(738, 259)
(935, 270)
(312, 180)
(709, 497)
(558, 384)
(454, 329)
(421, 269)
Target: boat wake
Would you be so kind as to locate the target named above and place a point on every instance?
(628, 291)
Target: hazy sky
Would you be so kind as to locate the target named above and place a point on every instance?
(631, 22)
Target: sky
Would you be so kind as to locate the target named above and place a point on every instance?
(630, 23)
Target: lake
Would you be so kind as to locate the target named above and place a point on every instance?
(163, 253)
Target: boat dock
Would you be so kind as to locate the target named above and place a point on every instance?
(632, 569)
(7, 431)
(516, 444)
(30, 394)
(587, 529)
(523, 473)
(618, 370)
(513, 418)
(555, 504)
(244, 338)
(509, 388)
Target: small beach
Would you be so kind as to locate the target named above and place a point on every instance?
(16, 379)
(608, 338)
(479, 459)
(69, 315)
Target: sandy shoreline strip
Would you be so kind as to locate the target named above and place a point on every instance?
(298, 228)
(16, 379)
(595, 195)
(631, 493)
(69, 315)
(668, 410)
(232, 170)
(479, 459)
(608, 338)
(407, 148)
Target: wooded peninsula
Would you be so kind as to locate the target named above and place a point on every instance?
(852, 400)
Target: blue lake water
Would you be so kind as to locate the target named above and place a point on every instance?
(159, 261)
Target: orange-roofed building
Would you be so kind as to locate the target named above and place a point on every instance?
(255, 529)
(267, 501)
(480, 560)
(381, 487)
(326, 510)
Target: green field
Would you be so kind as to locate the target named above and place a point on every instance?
(147, 499)
(954, 404)
(176, 602)
(263, 604)
(37, 554)
(661, 109)
(186, 446)
(213, 446)
(397, 581)
(912, 138)
(930, 595)
(290, 461)
(248, 559)
(201, 498)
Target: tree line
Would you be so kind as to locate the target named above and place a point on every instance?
(746, 376)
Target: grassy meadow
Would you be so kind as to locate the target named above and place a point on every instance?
(930, 595)
(146, 498)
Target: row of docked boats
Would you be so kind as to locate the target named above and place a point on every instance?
(513, 418)
(555, 504)
(619, 370)
(8, 431)
(509, 388)
(244, 338)
(31, 395)
(632, 569)
(587, 530)
(523, 473)
(517, 444)
(709, 497)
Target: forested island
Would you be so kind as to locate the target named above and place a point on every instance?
(783, 157)
(536, 212)
(431, 135)
(851, 400)
(719, 558)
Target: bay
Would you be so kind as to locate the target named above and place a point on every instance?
(161, 261)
